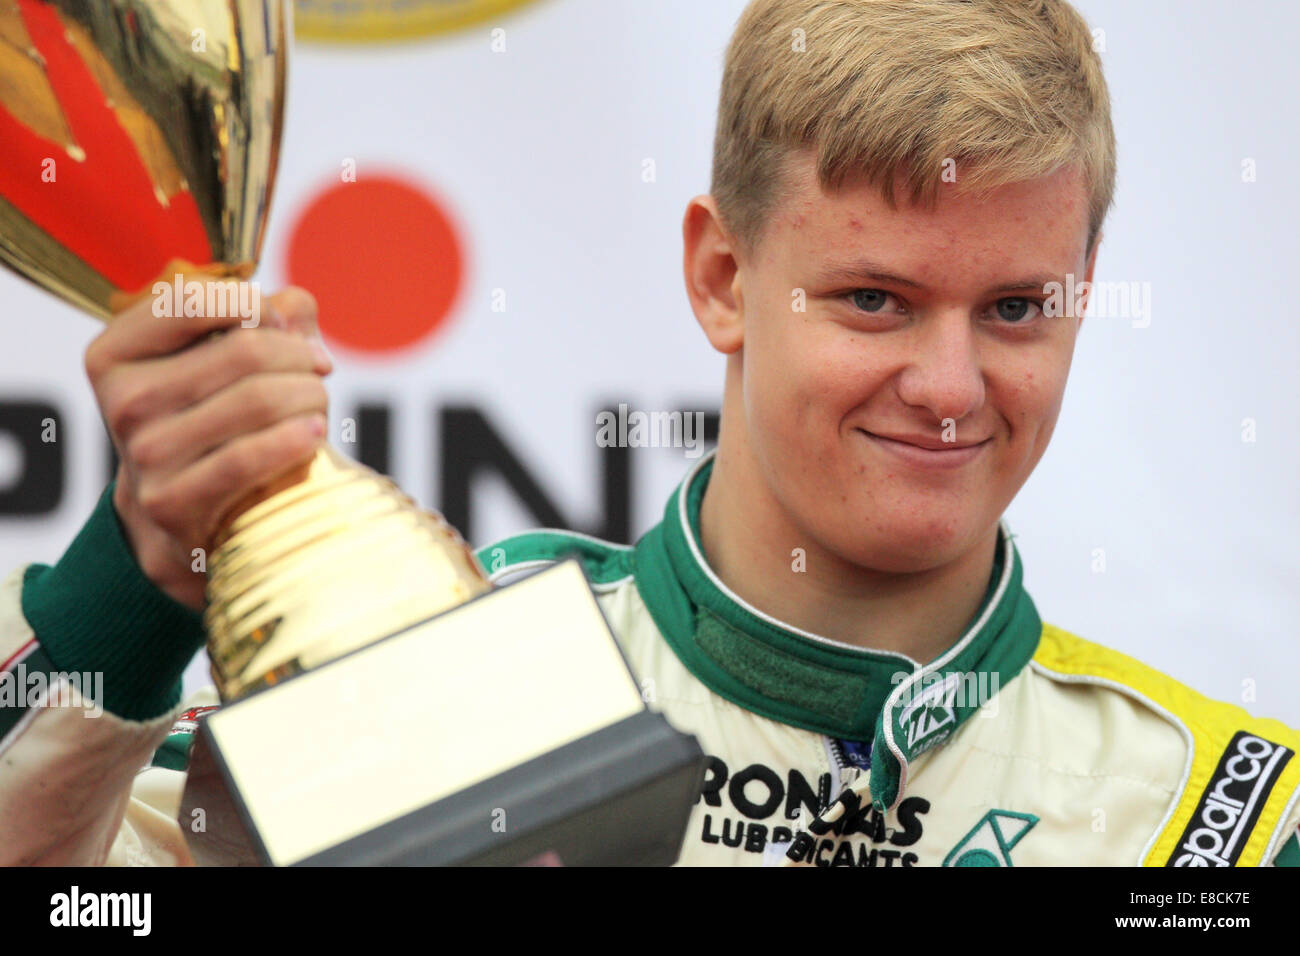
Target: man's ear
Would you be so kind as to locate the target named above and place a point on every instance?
(710, 263)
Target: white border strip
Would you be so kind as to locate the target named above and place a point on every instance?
(564, 531)
(522, 566)
(17, 729)
(20, 655)
(535, 563)
(1167, 715)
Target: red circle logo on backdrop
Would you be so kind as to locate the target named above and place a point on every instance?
(382, 259)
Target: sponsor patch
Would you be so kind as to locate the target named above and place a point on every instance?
(174, 754)
(188, 722)
(990, 841)
(930, 716)
(1231, 803)
(762, 810)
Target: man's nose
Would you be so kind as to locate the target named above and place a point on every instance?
(945, 375)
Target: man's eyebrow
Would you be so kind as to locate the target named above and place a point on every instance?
(867, 269)
(856, 269)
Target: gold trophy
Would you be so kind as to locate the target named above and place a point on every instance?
(381, 701)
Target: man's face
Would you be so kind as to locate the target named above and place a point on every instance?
(952, 351)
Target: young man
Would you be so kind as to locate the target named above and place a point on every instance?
(830, 604)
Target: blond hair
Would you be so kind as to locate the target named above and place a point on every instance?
(897, 91)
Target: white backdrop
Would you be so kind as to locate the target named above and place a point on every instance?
(538, 153)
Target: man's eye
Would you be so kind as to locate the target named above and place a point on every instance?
(1016, 310)
(870, 300)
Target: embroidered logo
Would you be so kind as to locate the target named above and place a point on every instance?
(1231, 803)
(188, 722)
(930, 716)
(990, 841)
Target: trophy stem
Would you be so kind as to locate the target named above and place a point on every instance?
(322, 564)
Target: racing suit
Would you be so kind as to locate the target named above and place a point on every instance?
(1021, 744)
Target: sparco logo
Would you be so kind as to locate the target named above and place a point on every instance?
(1230, 805)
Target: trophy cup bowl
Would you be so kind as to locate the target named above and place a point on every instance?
(180, 105)
(140, 141)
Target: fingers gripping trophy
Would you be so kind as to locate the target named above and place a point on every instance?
(140, 142)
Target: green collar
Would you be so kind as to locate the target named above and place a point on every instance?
(813, 682)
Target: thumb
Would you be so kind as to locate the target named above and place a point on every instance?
(294, 309)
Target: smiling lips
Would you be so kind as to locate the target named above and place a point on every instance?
(923, 451)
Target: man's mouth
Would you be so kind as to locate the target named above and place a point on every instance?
(923, 451)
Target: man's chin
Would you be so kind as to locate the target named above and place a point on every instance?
(902, 547)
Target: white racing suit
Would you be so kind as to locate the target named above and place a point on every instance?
(1020, 745)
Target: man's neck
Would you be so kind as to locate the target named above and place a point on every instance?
(748, 541)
